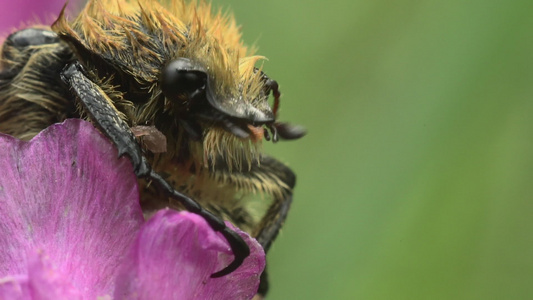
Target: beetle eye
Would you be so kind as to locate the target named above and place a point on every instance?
(179, 80)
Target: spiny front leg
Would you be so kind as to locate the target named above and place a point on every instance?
(102, 111)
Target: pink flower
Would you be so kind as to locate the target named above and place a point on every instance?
(21, 13)
(71, 227)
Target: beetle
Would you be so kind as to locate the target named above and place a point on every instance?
(176, 91)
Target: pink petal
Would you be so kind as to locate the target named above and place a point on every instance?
(66, 194)
(48, 283)
(174, 256)
(16, 14)
(15, 288)
(43, 283)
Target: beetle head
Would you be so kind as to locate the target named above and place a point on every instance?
(188, 85)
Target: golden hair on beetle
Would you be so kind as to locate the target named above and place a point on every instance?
(141, 36)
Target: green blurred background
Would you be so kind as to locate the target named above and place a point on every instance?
(416, 178)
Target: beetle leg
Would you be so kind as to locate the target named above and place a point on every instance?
(101, 110)
(268, 172)
(277, 212)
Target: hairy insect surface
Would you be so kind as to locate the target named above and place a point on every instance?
(176, 90)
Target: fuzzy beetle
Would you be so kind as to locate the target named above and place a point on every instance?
(175, 90)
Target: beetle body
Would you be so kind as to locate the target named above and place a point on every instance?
(179, 70)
